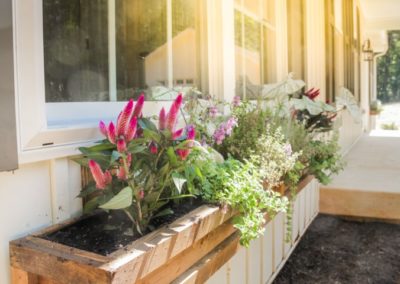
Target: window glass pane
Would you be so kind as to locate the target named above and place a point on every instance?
(269, 11)
(186, 43)
(75, 50)
(141, 37)
(252, 55)
(296, 38)
(94, 47)
(269, 58)
(239, 52)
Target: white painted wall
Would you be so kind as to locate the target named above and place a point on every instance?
(33, 197)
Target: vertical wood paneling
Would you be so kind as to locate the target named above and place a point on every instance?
(302, 212)
(287, 244)
(278, 224)
(317, 188)
(312, 198)
(254, 261)
(295, 219)
(307, 203)
(237, 265)
(267, 252)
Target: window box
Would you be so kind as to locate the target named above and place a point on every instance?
(165, 255)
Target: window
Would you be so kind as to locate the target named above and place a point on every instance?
(350, 46)
(330, 50)
(296, 38)
(109, 50)
(254, 46)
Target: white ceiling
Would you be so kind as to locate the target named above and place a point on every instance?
(381, 14)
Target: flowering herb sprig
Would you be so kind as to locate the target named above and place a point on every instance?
(139, 167)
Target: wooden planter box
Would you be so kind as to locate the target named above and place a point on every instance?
(164, 256)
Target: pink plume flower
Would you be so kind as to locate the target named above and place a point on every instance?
(121, 145)
(312, 93)
(129, 160)
(121, 173)
(162, 122)
(111, 133)
(191, 134)
(124, 117)
(139, 106)
(101, 179)
(103, 128)
(131, 131)
(141, 194)
(177, 134)
(153, 148)
(173, 113)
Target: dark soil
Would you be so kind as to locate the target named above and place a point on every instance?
(103, 234)
(335, 250)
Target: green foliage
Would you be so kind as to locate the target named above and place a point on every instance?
(238, 185)
(390, 126)
(251, 126)
(325, 159)
(388, 84)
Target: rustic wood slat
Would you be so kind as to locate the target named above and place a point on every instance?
(150, 252)
(209, 264)
(359, 203)
(180, 263)
(19, 276)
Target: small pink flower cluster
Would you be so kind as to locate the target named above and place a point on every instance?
(213, 111)
(288, 149)
(236, 101)
(225, 129)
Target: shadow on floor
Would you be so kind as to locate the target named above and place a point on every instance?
(335, 250)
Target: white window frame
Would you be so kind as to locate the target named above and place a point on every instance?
(37, 140)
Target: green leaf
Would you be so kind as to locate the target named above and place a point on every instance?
(115, 156)
(146, 123)
(136, 148)
(91, 205)
(179, 181)
(177, 197)
(152, 135)
(81, 161)
(87, 190)
(120, 201)
(101, 147)
(166, 211)
(172, 156)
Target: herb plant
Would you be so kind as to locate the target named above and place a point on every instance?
(238, 185)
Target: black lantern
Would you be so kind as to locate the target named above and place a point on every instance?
(367, 51)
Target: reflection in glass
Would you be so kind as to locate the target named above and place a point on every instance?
(75, 50)
(141, 37)
(85, 40)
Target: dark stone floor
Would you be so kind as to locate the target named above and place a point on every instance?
(335, 250)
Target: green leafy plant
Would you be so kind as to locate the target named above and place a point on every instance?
(389, 126)
(325, 158)
(139, 167)
(238, 185)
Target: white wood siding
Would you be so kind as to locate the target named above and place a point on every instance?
(266, 256)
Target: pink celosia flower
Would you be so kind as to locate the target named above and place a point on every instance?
(190, 134)
(111, 133)
(131, 131)
(121, 145)
(229, 125)
(103, 128)
(173, 113)
(139, 106)
(121, 173)
(101, 179)
(177, 134)
(162, 122)
(153, 148)
(124, 117)
(141, 194)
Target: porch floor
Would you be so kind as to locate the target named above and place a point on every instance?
(369, 186)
